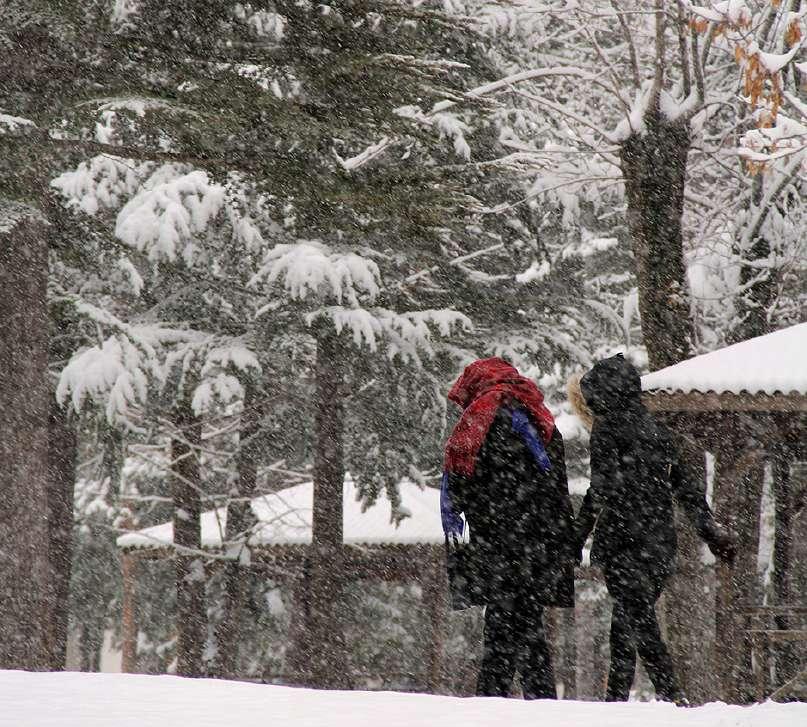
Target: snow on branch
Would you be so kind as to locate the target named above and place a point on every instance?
(404, 334)
(12, 123)
(311, 267)
(370, 153)
(172, 209)
(449, 126)
(234, 355)
(219, 376)
(103, 182)
(113, 374)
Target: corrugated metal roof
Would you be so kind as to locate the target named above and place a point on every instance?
(771, 364)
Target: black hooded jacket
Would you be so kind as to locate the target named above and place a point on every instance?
(636, 474)
(521, 518)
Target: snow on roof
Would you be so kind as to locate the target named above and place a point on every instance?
(284, 518)
(772, 364)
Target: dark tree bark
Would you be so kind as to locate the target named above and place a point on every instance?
(327, 663)
(758, 284)
(654, 168)
(24, 394)
(240, 519)
(61, 484)
(191, 616)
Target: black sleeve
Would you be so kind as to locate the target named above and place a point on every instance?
(692, 499)
(557, 457)
(458, 487)
(604, 479)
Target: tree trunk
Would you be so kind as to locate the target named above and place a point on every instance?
(24, 393)
(61, 484)
(758, 285)
(191, 616)
(654, 168)
(240, 519)
(327, 662)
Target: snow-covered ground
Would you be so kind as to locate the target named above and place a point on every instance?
(125, 700)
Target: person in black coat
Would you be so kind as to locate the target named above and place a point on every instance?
(636, 474)
(508, 477)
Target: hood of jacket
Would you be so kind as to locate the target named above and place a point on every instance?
(612, 386)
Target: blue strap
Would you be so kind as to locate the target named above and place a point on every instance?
(523, 426)
(453, 524)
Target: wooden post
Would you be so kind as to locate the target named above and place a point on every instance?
(437, 604)
(786, 664)
(738, 485)
(686, 610)
(129, 565)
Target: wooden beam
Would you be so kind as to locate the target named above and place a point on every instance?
(738, 485)
(710, 401)
(688, 614)
(437, 604)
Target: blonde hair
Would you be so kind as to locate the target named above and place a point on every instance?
(578, 402)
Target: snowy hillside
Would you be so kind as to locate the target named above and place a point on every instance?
(116, 700)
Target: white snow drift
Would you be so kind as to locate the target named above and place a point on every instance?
(127, 700)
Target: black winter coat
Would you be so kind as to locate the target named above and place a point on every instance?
(636, 474)
(521, 519)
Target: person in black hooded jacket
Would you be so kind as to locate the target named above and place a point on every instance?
(636, 474)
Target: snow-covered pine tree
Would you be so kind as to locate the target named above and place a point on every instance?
(303, 197)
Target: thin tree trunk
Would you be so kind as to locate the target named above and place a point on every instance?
(654, 167)
(326, 649)
(24, 393)
(758, 285)
(239, 521)
(61, 484)
(191, 616)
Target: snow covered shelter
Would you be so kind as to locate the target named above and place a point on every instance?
(375, 548)
(746, 405)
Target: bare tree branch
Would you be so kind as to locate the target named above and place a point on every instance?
(697, 65)
(682, 48)
(634, 63)
(658, 80)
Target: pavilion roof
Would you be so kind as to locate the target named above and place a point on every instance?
(284, 518)
(771, 367)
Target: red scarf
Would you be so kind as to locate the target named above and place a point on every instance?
(483, 388)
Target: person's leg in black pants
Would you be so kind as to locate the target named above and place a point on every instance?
(634, 627)
(623, 655)
(657, 660)
(513, 627)
(537, 675)
(501, 645)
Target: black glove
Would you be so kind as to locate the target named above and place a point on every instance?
(722, 543)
